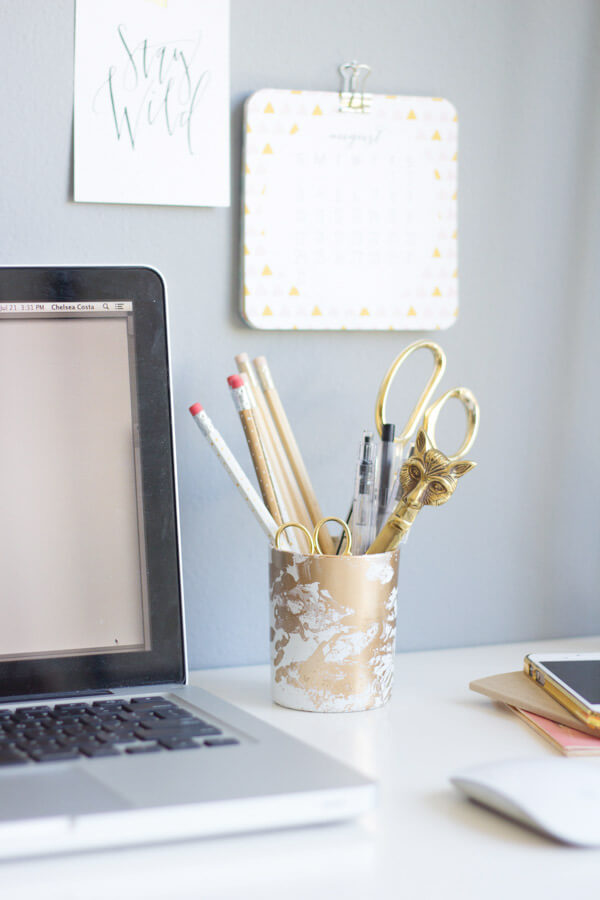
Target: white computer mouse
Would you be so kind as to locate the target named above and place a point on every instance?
(559, 797)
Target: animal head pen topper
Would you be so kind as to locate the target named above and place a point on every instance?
(427, 478)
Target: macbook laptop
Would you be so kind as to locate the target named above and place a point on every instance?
(102, 741)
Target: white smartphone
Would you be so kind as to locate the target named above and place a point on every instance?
(573, 679)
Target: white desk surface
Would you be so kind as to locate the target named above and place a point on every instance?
(423, 840)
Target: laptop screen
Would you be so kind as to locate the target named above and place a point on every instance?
(90, 587)
(71, 532)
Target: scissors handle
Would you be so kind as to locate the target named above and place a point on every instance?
(302, 528)
(431, 415)
(439, 359)
(313, 539)
(344, 526)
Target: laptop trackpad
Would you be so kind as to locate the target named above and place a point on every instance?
(57, 791)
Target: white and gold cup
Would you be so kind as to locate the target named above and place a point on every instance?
(333, 630)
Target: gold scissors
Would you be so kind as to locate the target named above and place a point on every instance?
(313, 538)
(429, 414)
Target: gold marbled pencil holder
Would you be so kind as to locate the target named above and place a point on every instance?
(333, 630)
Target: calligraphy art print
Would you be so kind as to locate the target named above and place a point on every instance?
(151, 105)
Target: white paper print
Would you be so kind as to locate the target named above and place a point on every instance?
(349, 220)
(151, 105)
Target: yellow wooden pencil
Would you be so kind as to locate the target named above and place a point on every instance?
(292, 451)
(243, 405)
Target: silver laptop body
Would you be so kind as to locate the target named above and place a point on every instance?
(102, 741)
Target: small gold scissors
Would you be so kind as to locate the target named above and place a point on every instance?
(430, 414)
(313, 538)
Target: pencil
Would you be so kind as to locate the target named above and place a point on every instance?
(271, 463)
(292, 451)
(265, 429)
(283, 476)
(243, 405)
(235, 471)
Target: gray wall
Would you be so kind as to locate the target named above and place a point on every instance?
(514, 555)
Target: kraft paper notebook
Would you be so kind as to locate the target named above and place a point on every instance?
(349, 214)
(516, 689)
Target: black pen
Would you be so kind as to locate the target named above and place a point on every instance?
(385, 473)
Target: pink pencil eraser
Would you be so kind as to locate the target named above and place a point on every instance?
(195, 408)
(235, 381)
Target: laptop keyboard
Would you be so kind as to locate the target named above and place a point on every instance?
(70, 731)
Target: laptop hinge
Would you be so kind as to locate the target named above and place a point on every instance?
(55, 696)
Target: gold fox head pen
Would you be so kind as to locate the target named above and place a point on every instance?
(427, 478)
